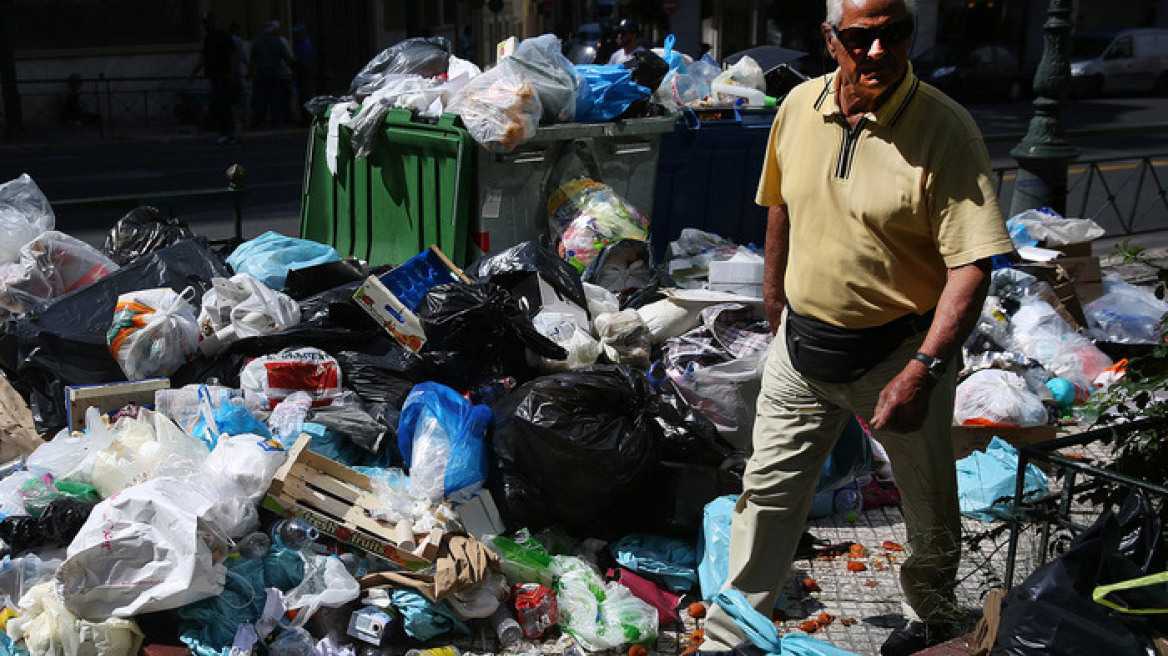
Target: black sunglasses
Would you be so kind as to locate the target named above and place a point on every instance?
(861, 38)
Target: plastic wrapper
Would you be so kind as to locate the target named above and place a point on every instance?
(24, 214)
(150, 548)
(153, 333)
(19, 575)
(575, 448)
(270, 256)
(1038, 332)
(427, 57)
(47, 628)
(671, 561)
(66, 342)
(51, 265)
(606, 92)
(1052, 229)
(141, 231)
(443, 437)
(997, 398)
(745, 73)
(326, 584)
(600, 300)
(240, 307)
(39, 492)
(145, 447)
(500, 109)
(1126, 314)
(11, 501)
(539, 60)
(600, 615)
(72, 457)
(585, 216)
(622, 266)
(624, 338)
(274, 377)
(423, 619)
(183, 405)
(56, 526)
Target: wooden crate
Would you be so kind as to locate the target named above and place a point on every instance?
(108, 398)
(338, 501)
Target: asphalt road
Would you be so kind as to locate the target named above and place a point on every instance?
(82, 164)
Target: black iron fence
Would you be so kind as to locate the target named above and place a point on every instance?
(110, 103)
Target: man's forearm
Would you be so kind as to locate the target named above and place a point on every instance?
(775, 267)
(958, 309)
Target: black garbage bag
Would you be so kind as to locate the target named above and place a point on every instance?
(687, 436)
(512, 266)
(576, 449)
(65, 342)
(627, 268)
(484, 324)
(56, 527)
(143, 230)
(648, 70)
(425, 56)
(1052, 612)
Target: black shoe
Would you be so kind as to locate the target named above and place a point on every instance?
(916, 636)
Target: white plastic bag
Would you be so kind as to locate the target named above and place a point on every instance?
(153, 332)
(11, 501)
(582, 348)
(145, 447)
(599, 615)
(1039, 333)
(600, 300)
(73, 457)
(242, 306)
(19, 575)
(147, 549)
(669, 318)
(1052, 229)
(744, 73)
(248, 461)
(326, 584)
(50, 265)
(47, 628)
(725, 393)
(1000, 398)
(499, 108)
(24, 214)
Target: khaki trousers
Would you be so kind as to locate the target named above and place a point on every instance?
(799, 420)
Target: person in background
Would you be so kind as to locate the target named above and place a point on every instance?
(239, 101)
(303, 71)
(466, 45)
(218, 61)
(883, 219)
(271, 60)
(628, 34)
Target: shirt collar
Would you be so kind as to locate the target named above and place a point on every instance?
(827, 102)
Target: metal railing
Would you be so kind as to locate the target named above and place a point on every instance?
(115, 102)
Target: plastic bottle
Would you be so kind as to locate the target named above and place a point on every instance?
(848, 502)
(506, 628)
(435, 651)
(293, 534)
(254, 545)
(752, 96)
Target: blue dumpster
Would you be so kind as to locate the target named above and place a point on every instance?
(707, 175)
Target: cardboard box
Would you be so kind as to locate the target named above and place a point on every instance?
(108, 398)
(392, 298)
(1077, 249)
(391, 313)
(1086, 274)
(967, 439)
(1065, 299)
(480, 516)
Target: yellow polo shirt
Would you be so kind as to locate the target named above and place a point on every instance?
(879, 212)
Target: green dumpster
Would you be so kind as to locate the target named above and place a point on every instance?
(429, 184)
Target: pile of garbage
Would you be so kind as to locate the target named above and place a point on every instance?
(275, 449)
(536, 84)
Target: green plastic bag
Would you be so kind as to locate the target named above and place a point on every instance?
(524, 559)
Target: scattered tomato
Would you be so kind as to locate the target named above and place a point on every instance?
(847, 621)
(808, 626)
(871, 583)
(856, 566)
(824, 619)
(810, 585)
(857, 551)
(638, 650)
(697, 609)
(891, 546)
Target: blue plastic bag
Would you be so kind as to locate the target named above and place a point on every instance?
(986, 480)
(850, 458)
(671, 561)
(714, 545)
(464, 425)
(605, 92)
(423, 619)
(225, 419)
(761, 631)
(270, 256)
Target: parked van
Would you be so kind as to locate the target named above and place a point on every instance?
(1131, 61)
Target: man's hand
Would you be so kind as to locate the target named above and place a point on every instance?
(904, 401)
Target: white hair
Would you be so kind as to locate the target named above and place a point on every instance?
(835, 10)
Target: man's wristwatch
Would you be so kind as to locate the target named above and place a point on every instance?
(935, 366)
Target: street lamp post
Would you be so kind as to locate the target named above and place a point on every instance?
(1043, 154)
